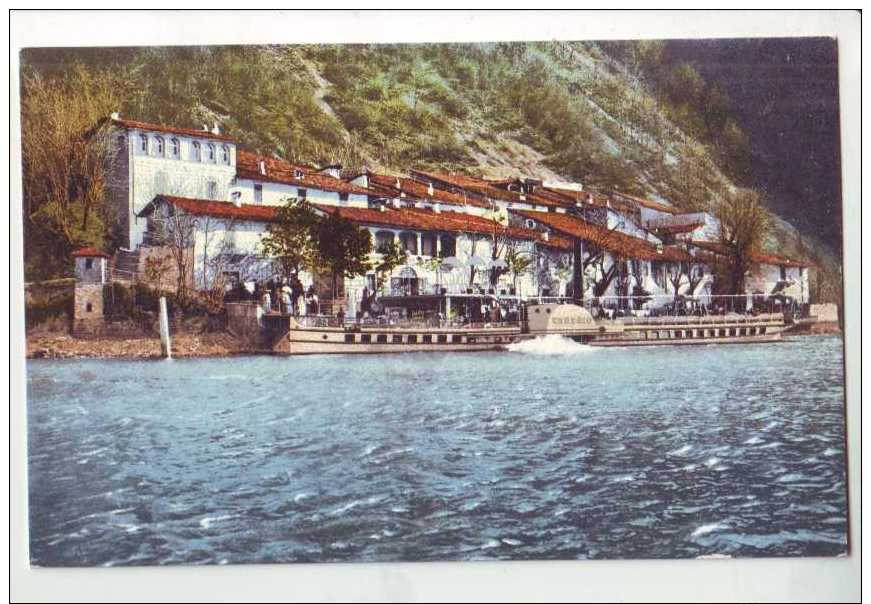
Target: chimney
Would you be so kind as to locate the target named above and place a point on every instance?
(437, 208)
(398, 184)
(115, 115)
(545, 236)
(382, 207)
(236, 197)
(215, 129)
(262, 167)
(205, 128)
(430, 190)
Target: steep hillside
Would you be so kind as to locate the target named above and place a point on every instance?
(554, 110)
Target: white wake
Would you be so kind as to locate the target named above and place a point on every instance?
(552, 344)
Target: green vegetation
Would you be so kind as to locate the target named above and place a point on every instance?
(614, 115)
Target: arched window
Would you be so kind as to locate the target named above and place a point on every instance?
(174, 148)
(210, 152)
(143, 143)
(449, 246)
(409, 242)
(225, 154)
(196, 152)
(212, 189)
(383, 241)
(158, 146)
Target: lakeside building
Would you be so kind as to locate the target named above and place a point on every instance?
(458, 231)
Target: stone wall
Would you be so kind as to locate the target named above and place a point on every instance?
(88, 308)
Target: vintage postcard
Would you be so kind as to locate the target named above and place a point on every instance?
(557, 299)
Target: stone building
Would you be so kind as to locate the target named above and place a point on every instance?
(91, 269)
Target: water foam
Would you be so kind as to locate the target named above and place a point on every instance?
(550, 345)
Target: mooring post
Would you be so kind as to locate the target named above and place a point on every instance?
(165, 346)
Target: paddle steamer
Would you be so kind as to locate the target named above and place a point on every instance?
(474, 328)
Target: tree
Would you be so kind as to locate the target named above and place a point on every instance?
(679, 272)
(342, 247)
(744, 224)
(176, 230)
(290, 241)
(65, 159)
(518, 262)
(392, 255)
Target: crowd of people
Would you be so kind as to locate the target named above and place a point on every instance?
(287, 297)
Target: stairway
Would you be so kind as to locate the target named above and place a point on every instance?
(125, 266)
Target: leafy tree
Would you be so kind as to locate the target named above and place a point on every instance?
(744, 224)
(342, 247)
(290, 241)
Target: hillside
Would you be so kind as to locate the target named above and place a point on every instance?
(556, 110)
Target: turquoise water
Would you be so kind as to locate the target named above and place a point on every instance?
(554, 451)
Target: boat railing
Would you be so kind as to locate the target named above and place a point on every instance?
(701, 319)
(314, 321)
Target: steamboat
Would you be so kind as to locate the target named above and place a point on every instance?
(456, 323)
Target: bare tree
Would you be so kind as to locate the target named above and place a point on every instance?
(66, 150)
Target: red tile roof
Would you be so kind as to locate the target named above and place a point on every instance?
(675, 229)
(647, 203)
(89, 251)
(217, 209)
(721, 249)
(488, 189)
(427, 220)
(611, 240)
(248, 166)
(594, 198)
(419, 190)
(192, 132)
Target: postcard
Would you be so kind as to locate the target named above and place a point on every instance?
(533, 300)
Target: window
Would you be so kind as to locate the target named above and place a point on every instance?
(258, 193)
(442, 339)
(174, 148)
(449, 246)
(297, 173)
(301, 194)
(382, 338)
(158, 146)
(343, 197)
(89, 307)
(89, 263)
(783, 273)
(210, 152)
(412, 339)
(409, 242)
(196, 151)
(225, 154)
(143, 143)
(397, 339)
(383, 241)
(349, 338)
(456, 339)
(428, 244)
(365, 338)
(122, 141)
(427, 339)
(212, 189)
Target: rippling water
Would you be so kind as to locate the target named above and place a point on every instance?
(591, 453)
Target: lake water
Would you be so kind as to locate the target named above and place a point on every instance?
(553, 451)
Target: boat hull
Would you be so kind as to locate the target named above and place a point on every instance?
(375, 341)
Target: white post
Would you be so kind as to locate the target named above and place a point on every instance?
(165, 345)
